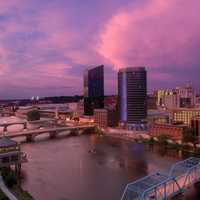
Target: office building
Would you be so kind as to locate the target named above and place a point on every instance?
(132, 94)
(185, 115)
(105, 117)
(186, 96)
(167, 99)
(93, 89)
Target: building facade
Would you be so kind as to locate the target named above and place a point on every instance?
(186, 96)
(105, 118)
(173, 132)
(181, 97)
(167, 99)
(93, 89)
(195, 124)
(132, 95)
(185, 115)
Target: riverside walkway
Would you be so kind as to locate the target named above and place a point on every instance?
(160, 186)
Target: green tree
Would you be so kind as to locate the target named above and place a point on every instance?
(189, 135)
(9, 177)
(162, 139)
(33, 115)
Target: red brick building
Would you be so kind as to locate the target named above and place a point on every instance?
(173, 132)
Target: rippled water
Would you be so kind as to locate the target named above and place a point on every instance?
(63, 169)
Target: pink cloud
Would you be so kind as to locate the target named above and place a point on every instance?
(156, 33)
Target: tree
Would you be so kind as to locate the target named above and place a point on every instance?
(33, 115)
(162, 139)
(188, 135)
(9, 177)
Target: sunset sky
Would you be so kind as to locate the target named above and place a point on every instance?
(46, 44)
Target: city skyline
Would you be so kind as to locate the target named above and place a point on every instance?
(45, 47)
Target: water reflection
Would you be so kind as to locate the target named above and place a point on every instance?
(65, 169)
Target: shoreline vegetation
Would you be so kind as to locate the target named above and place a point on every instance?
(13, 182)
(161, 141)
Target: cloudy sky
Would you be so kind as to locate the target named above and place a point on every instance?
(46, 44)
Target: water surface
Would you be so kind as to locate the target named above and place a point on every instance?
(64, 169)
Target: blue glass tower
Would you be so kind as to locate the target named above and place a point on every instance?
(132, 94)
(93, 89)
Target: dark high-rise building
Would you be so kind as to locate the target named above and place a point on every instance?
(93, 89)
(132, 93)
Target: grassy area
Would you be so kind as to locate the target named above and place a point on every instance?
(20, 193)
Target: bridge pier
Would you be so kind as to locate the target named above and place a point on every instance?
(29, 138)
(74, 132)
(80, 132)
(52, 135)
(25, 125)
(5, 129)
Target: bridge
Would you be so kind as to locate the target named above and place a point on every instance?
(25, 123)
(53, 132)
(160, 186)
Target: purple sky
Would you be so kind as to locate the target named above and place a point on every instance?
(46, 44)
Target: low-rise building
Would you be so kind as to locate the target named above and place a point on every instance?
(10, 154)
(105, 118)
(173, 132)
(185, 115)
(158, 116)
(195, 124)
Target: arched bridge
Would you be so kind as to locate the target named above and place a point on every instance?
(160, 186)
(53, 132)
(5, 125)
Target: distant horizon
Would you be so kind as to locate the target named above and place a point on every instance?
(45, 46)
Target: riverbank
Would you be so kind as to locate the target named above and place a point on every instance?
(10, 185)
(145, 138)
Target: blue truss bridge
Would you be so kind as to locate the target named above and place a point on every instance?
(160, 186)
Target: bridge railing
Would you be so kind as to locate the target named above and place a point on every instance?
(159, 186)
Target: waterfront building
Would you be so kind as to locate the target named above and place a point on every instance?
(105, 117)
(93, 89)
(132, 94)
(173, 132)
(195, 124)
(10, 154)
(185, 115)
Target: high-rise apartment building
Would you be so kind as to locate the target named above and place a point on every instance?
(132, 95)
(93, 89)
(186, 96)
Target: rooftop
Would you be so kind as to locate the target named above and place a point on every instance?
(132, 69)
(6, 142)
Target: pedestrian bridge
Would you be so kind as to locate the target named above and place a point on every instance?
(160, 186)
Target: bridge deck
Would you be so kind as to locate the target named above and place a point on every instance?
(46, 130)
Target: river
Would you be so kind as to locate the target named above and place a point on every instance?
(64, 169)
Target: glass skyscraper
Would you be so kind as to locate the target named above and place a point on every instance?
(93, 89)
(132, 95)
